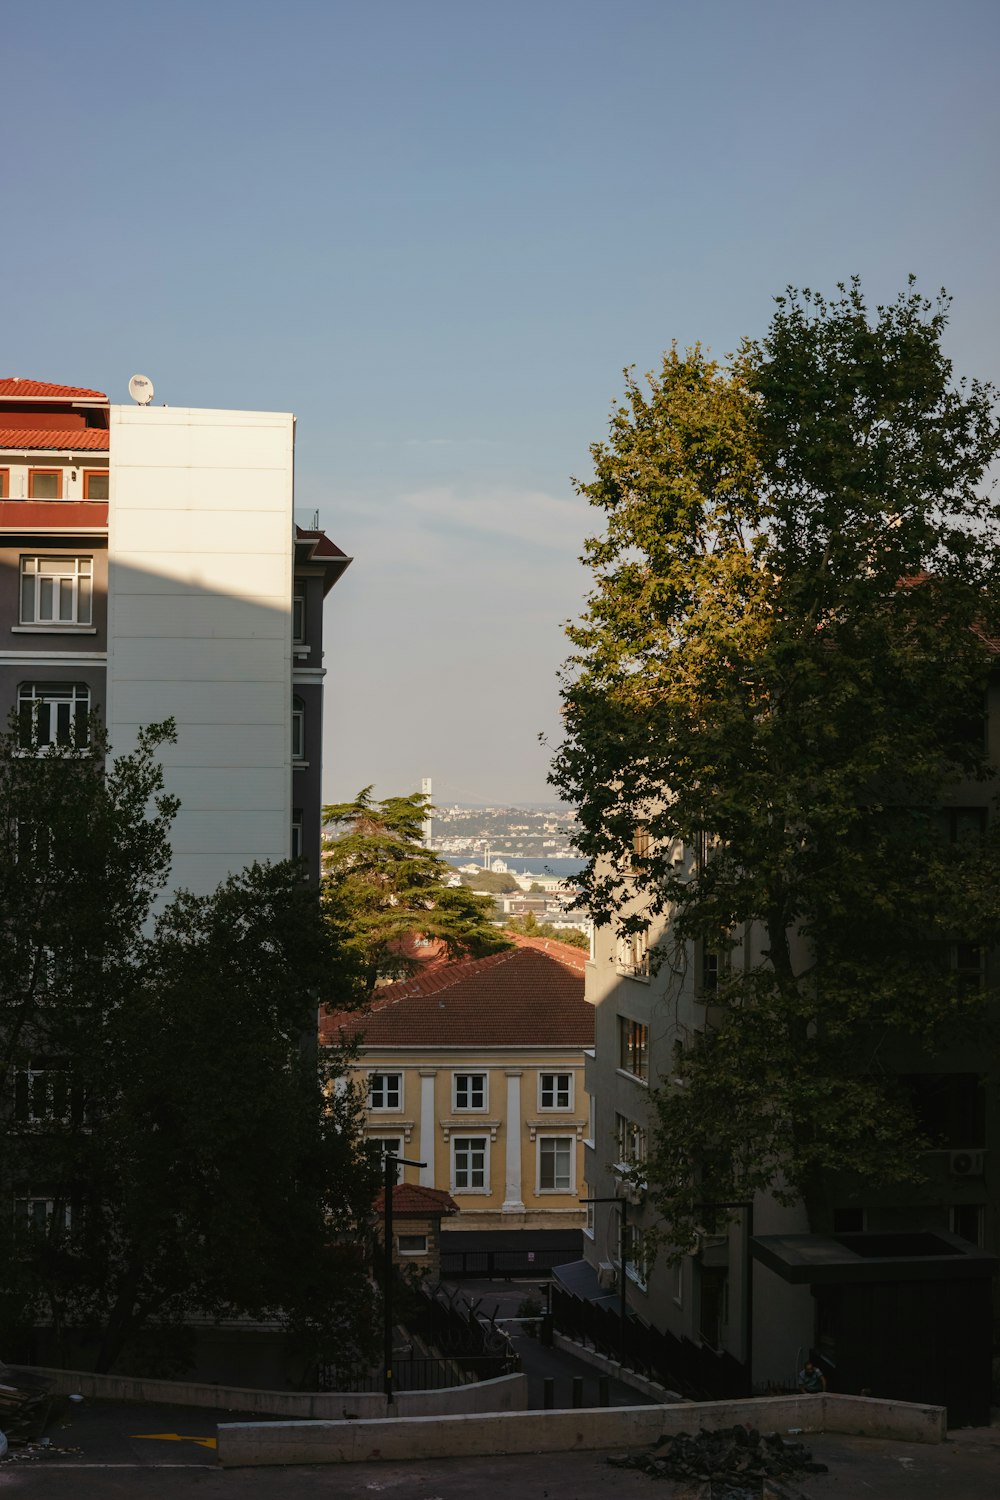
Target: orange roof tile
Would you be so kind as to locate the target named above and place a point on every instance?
(525, 996)
(13, 386)
(82, 440)
(411, 1200)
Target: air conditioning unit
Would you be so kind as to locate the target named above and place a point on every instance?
(966, 1163)
(606, 1274)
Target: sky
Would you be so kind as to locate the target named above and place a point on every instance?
(437, 232)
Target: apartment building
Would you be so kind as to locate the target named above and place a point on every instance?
(152, 568)
(745, 1292)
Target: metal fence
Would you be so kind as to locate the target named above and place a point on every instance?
(488, 1263)
(693, 1370)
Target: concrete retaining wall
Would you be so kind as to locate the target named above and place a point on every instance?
(508, 1393)
(258, 1443)
(651, 1388)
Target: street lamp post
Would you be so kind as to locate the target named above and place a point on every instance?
(390, 1163)
(623, 1260)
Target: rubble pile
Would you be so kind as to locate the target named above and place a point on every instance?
(735, 1463)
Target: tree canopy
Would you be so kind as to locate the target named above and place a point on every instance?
(171, 1144)
(382, 888)
(777, 689)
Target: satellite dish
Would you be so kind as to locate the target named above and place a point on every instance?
(140, 388)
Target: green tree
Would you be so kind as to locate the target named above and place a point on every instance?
(783, 667)
(382, 887)
(171, 1143)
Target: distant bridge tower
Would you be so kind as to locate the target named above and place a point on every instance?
(425, 787)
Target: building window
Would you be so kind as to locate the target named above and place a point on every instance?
(299, 620)
(636, 1257)
(4, 484)
(411, 1244)
(95, 484)
(45, 484)
(967, 1221)
(57, 590)
(42, 1093)
(641, 847)
(633, 953)
(470, 1090)
(555, 1163)
(633, 1047)
(53, 713)
(555, 1091)
(469, 1171)
(712, 965)
(589, 1220)
(386, 1145)
(713, 1309)
(385, 1091)
(297, 850)
(40, 1213)
(298, 729)
(630, 1140)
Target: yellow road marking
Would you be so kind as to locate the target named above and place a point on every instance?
(174, 1437)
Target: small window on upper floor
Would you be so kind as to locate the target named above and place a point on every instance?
(299, 620)
(633, 953)
(4, 484)
(45, 484)
(57, 591)
(555, 1091)
(95, 484)
(297, 849)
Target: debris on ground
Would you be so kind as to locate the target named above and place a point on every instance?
(31, 1452)
(735, 1463)
(25, 1401)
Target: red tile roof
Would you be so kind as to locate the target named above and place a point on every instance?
(82, 440)
(409, 1200)
(322, 545)
(524, 997)
(40, 390)
(567, 953)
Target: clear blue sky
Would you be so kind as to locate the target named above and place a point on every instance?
(436, 232)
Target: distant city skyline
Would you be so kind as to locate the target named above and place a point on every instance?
(436, 234)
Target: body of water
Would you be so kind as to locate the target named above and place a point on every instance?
(532, 864)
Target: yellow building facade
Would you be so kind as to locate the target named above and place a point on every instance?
(476, 1069)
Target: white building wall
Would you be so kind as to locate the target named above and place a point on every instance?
(200, 539)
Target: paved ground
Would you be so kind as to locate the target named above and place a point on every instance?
(505, 1298)
(165, 1453)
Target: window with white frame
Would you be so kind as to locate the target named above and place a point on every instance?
(298, 729)
(630, 1140)
(40, 1213)
(411, 1244)
(555, 1163)
(57, 590)
(589, 1221)
(385, 1090)
(53, 713)
(636, 1255)
(469, 1164)
(633, 953)
(555, 1091)
(42, 1093)
(386, 1145)
(470, 1090)
(299, 620)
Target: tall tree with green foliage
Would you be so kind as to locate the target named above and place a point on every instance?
(783, 666)
(382, 887)
(171, 1144)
